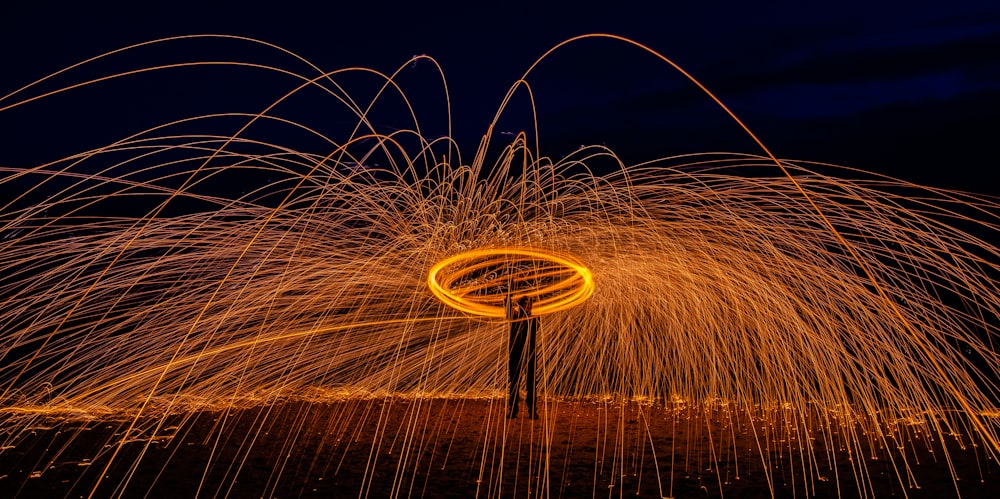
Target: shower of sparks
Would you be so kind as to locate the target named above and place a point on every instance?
(136, 284)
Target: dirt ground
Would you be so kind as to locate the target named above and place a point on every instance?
(396, 447)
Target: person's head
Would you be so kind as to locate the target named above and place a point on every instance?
(524, 303)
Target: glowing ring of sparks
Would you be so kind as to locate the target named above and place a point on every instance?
(477, 282)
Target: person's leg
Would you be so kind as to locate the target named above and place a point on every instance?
(515, 352)
(530, 377)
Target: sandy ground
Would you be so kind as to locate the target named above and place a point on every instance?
(467, 448)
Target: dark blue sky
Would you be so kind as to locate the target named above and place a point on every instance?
(910, 90)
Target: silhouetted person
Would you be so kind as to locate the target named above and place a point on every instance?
(523, 328)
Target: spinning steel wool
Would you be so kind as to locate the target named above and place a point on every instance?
(182, 270)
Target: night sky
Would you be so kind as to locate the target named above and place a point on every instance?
(903, 89)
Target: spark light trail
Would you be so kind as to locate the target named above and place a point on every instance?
(476, 282)
(800, 313)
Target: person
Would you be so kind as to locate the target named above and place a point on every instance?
(521, 349)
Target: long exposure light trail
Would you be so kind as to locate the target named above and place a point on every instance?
(771, 320)
(476, 282)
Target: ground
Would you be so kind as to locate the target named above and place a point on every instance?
(447, 447)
